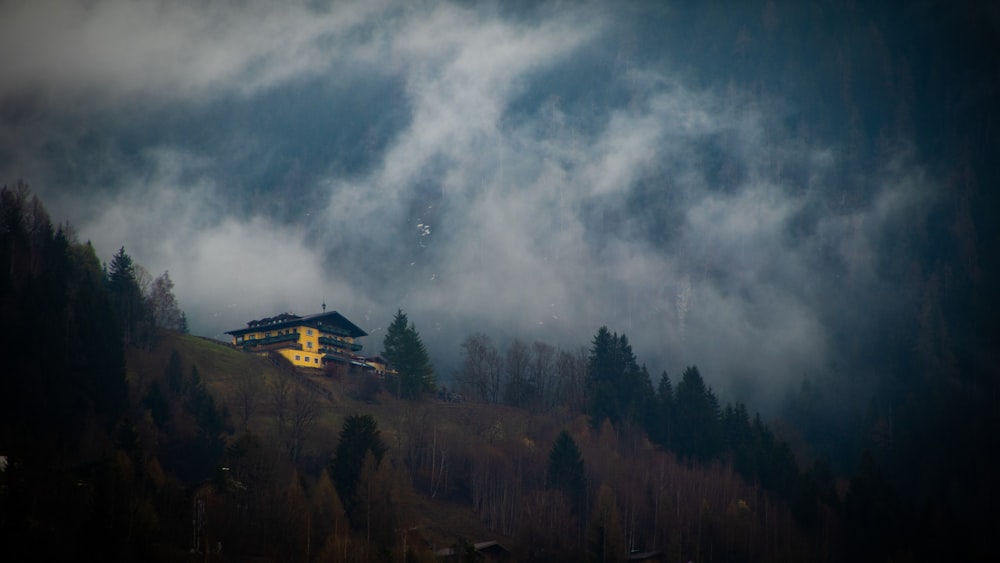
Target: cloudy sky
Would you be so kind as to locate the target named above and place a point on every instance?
(532, 170)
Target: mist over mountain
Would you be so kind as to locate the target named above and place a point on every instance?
(773, 192)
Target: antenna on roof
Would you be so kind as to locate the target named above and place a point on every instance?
(324, 305)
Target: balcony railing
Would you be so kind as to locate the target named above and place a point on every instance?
(339, 344)
(274, 346)
(333, 330)
(289, 337)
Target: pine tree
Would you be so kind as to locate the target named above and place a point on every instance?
(698, 433)
(406, 354)
(617, 388)
(566, 472)
(664, 423)
(129, 304)
(157, 405)
(359, 434)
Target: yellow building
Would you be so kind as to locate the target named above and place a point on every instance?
(379, 366)
(313, 341)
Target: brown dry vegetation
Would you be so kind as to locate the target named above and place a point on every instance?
(476, 472)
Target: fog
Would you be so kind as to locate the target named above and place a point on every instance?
(530, 173)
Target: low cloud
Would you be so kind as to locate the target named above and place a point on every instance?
(519, 196)
(119, 51)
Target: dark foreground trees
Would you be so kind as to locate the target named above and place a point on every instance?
(63, 394)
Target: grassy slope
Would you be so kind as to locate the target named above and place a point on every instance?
(220, 367)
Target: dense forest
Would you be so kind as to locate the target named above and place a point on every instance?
(115, 443)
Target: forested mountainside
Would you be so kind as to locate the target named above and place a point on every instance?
(128, 439)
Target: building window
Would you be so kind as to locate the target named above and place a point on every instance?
(309, 332)
(298, 358)
(309, 344)
(316, 360)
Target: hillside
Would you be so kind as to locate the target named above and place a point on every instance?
(228, 374)
(129, 439)
(475, 472)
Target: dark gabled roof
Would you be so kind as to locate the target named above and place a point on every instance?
(324, 320)
(328, 322)
(267, 321)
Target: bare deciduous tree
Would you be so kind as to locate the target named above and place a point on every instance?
(305, 408)
(571, 370)
(163, 304)
(249, 385)
(482, 369)
(280, 389)
(542, 360)
(519, 389)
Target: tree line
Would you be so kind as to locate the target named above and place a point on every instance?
(591, 462)
(607, 384)
(68, 431)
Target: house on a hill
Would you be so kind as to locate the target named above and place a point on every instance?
(322, 340)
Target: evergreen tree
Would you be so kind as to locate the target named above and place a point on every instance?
(64, 391)
(204, 451)
(565, 471)
(405, 352)
(617, 388)
(643, 408)
(602, 371)
(157, 405)
(664, 416)
(395, 336)
(736, 431)
(697, 434)
(359, 434)
(737, 435)
(126, 297)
